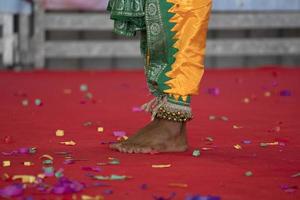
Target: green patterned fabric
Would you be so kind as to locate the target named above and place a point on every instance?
(151, 18)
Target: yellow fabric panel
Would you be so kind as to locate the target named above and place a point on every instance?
(191, 24)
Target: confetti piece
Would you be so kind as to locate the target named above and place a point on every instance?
(5, 177)
(69, 143)
(212, 117)
(267, 94)
(100, 129)
(28, 163)
(59, 133)
(46, 156)
(144, 186)
(262, 144)
(108, 192)
(237, 146)
(22, 151)
(112, 177)
(206, 148)
(247, 142)
(69, 161)
(66, 186)
(224, 118)
(246, 100)
(94, 169)
(89, 95)
(213, 91)
(11, 191)
(161, 166)
(199, 197)
(6, 163)
(209, 139)
(248, 173)
(114, 162)
(172, 195)
(84, 87)
(119, 133)
(236, 127)
(180, 185)
(87, 124)
(289, 189)
(59, 173)
(196, 153)
(25, 102)
(25, 178)
(48, 171)
(285, 93)
(47, 162)
(123, 138)
(38, 102)
(87, 197)
(296, 175)
(137, 109)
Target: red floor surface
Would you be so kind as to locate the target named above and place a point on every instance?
(268, 117)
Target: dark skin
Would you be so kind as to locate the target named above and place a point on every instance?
(157, 136)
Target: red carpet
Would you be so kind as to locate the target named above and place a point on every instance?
(271, 115)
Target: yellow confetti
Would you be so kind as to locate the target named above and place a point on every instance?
(123, 138)
(237, 146)
(6, 163)
(87, 197)
(41, 176)
(46, 156)
(100, 129)
(236, 127)
(60, 133)
(28, 163)
(25, 178)
(161, 166)
(69, 143)
(181, 185)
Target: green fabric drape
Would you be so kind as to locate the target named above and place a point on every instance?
(151, 18)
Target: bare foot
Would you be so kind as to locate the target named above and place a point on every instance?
(158, 136)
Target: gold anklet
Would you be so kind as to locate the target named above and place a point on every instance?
(174, 114)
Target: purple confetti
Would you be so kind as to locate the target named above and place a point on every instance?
(108, 192)
(247, 142)
(198, 197)
(119, 133)
(23, 150)
(172, 195)
(213, 91)
(285, 93)
(11, 191)
(66, 186)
